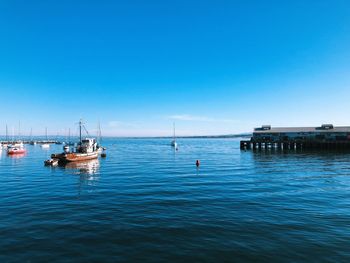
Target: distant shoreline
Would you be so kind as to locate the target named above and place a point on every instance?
(228, 136)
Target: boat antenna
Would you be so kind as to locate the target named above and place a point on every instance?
(81, 125)
(99, 132)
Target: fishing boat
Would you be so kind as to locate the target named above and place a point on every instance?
(173, 142)
(86, 149)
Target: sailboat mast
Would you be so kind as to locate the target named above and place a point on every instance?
(174, 130)
(19, 130)
(7, 134)
(46, 133)
(99, 132)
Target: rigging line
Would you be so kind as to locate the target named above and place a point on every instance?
(86, 130)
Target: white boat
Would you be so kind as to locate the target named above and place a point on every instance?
(45, 145)
(15, 145)
(31, 142)
(51, 162)
(173, 142)
(4, 145)
(100, 149)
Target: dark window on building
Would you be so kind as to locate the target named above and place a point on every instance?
(341, 138)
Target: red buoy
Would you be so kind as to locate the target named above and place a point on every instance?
(198, 163)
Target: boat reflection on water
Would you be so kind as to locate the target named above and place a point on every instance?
(87, 168)
(17, 156)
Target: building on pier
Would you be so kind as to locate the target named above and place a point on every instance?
(325, 136)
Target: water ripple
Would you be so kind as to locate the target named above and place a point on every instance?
(147, 202)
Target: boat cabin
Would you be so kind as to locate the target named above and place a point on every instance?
(88, 145)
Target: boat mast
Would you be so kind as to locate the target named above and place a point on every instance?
(7, 134)
(80, 123)
(31, 134)
(174, 131)
(46, 133)
(19, 130)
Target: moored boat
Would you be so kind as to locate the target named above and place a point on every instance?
(18, 144)
(4, 145)
(86, 149)
(173, 142)
(51, 162)
(45, 144)
(16, 150)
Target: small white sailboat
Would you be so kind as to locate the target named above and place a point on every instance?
(45, 145)
(18, 144)
(100, 148)
(5, 144)
(173, 142)
(69, 142)
(31, 142)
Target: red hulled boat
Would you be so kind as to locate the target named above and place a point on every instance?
(16, 150)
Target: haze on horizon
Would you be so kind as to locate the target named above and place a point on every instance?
(213, 67)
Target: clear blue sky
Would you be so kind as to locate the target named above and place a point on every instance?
(214, 67)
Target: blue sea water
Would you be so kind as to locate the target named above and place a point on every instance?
(146, 202)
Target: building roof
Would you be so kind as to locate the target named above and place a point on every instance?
(300, 129)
